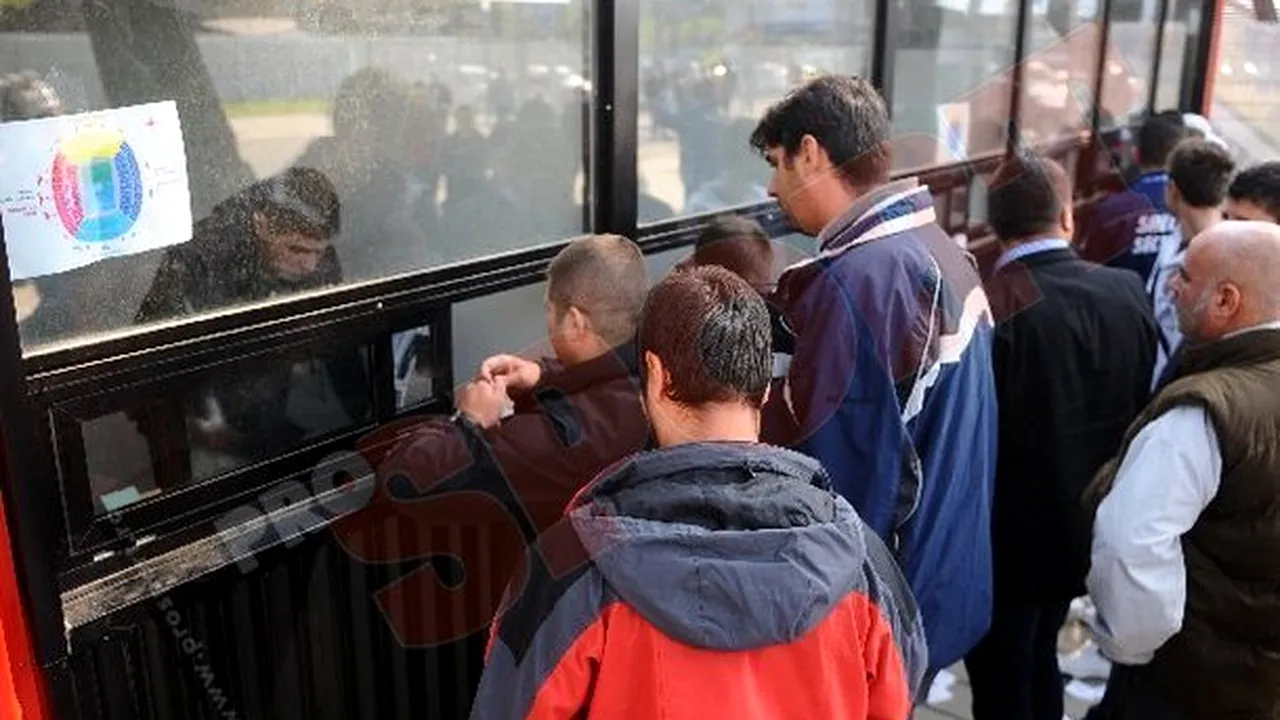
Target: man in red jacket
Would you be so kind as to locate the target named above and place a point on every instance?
(716, 576)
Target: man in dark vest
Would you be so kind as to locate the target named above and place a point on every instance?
(1073, 350)
(1186, 548)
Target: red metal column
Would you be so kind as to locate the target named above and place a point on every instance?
(1210, 68)
(21, 687)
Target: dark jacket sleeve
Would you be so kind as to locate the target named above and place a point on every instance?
(546, 647)
(172, 289)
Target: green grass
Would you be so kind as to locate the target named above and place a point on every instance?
(252, 108)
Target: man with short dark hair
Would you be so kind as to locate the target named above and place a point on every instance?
(890, 385)
(741, 246)
(1130, 229)
(274, 238)
(1063, 409)
(511, 476)
(715, 576)
(1255, 194)
(1199, 173)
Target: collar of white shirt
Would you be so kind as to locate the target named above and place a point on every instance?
(1029, 248)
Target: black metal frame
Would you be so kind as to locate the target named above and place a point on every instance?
(1153, 90)
(34, 389)
(1209, 31)
(885, 26)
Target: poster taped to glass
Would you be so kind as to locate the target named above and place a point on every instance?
(81, 188)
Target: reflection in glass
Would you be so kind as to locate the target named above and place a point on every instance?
(1062, 44)
(952, 80)
(449, 131)
(417, 370)
(224, 421)
(708, 69)
(1126, 79)
(244, 415)
(1178, 51)
(118, 458)
(1246, 90)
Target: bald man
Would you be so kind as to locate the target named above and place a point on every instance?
(1186, 548)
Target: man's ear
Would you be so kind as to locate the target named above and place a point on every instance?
(810, 155)
(576, 325)
(654, 371)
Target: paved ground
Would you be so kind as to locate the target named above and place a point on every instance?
(958, 705)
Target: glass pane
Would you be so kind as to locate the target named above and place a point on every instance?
(1181, 38)
(1246, 90)
(118, 457)
(1126, 81)
(233, 417)
(1063, 42)
(431, 131)
(509, 321)
(708, 69)
(417, 373)
(951, 87)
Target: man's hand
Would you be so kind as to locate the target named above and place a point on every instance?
(516, 372)
(482, 401)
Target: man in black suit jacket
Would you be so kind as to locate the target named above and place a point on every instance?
(1074, 349)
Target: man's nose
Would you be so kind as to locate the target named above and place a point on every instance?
(309, 262)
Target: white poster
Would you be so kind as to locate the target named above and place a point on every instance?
(76, 189)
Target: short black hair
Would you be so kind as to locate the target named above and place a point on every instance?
(604, 277)
(1027, 195)
(300, 199)
(1201, 170)
(712, 332)
(1259, 185)
(739, 244)
(845, 114)
(1158, 136)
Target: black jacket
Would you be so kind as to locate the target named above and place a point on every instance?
(222, 267)
(1074, 350)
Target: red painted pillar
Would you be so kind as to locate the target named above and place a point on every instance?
(21, 687)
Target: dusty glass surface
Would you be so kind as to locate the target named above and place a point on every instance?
(432, 132)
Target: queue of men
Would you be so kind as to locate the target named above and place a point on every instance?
(964, 458)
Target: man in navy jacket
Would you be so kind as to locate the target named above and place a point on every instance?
(1132, 229)
(890, 385)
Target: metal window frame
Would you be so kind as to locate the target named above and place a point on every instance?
(1153, 90)
(1200, 85)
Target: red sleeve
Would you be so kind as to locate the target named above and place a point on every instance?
(888, 692)
(566, 693)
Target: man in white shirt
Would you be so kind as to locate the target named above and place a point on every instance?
(1186, 551)
(1199, 173)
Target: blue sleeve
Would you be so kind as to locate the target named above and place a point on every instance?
(845, 403)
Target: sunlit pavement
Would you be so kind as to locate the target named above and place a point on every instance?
(952, 698)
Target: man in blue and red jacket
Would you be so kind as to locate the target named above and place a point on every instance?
(715, 577)
(890, 384)
(1135, 228)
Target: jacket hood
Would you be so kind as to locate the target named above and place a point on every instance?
(723, 546)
